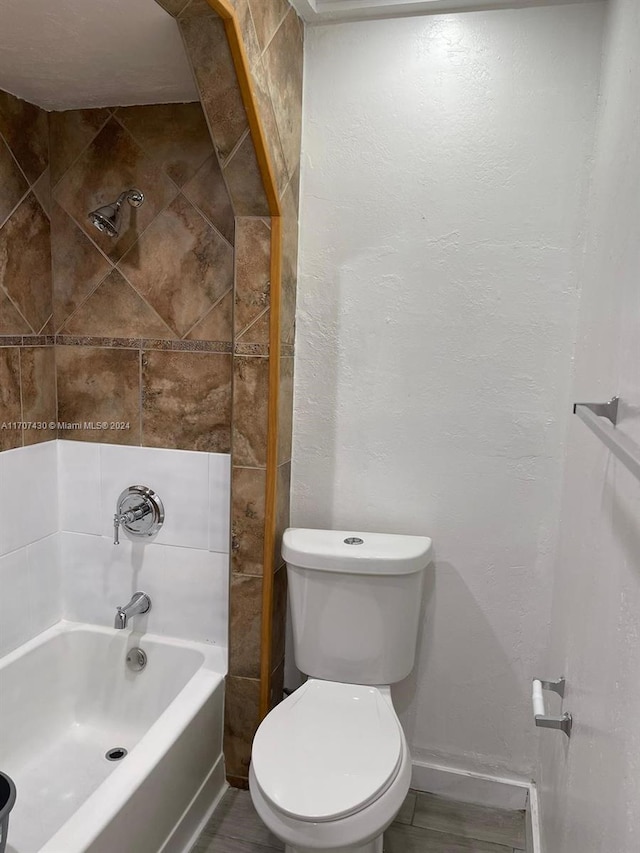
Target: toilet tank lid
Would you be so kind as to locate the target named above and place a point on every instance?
(355, 552)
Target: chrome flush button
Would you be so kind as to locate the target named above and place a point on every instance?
(353, 540)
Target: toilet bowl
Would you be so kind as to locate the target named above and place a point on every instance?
(330, 767)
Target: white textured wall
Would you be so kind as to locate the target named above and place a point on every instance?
(443, 180)
(591, 786)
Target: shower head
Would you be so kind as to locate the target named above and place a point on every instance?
(108, 217)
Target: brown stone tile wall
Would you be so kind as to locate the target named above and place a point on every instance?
(276, 59)
(242, 710)
(273, 42)
(27, 360)
(267, 29)
(272, 37)
(143, 322)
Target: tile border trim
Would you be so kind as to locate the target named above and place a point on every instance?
(144, 343)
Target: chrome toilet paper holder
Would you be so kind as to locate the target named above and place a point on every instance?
(542, 719)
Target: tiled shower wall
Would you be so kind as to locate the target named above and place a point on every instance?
(30, 588)
(27, 366)
(143, 322)
(56, 540)
(184, 568)
(164, 332)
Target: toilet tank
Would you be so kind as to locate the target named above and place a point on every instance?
(356, 600)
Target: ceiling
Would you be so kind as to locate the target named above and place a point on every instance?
(67, 54)
(331, 11)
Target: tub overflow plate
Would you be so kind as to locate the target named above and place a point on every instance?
(136, 659)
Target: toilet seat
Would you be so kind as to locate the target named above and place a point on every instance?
(327, 751)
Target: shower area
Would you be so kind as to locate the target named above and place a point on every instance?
(149, 171)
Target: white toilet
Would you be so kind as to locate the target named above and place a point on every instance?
(330, 766)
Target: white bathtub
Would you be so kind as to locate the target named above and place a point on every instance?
(67, 697)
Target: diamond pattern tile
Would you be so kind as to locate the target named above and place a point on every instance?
(180, 247)
(12, 182)
(116, 310)
(11, 321)
(208, 191)
(114, 162)
(25, 129)
(217, 324)
(77, 265)
(25, 262)
(69, 133)
(176, 136)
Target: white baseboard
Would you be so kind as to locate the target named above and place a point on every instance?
(483, 789)
(532, 825)
(469, 787)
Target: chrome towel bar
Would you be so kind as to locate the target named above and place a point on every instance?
(541, 718)
(606, 410)
(595, 416)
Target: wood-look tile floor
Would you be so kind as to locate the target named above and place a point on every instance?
(425, 824)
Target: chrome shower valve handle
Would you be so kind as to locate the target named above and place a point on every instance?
(140, 511)
(127, 518)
